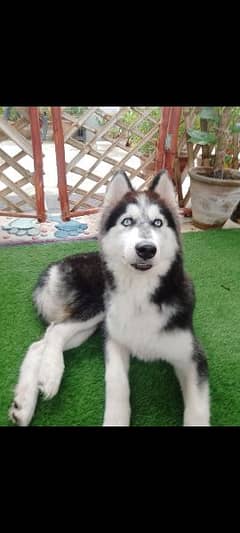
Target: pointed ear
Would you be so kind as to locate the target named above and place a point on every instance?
(163, 185)
(117, 188)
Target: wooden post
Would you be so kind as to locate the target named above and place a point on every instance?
(160, 156)
(38, 165)
(60, 161)
(173, 126)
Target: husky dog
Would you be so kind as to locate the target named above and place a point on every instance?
(138, 287)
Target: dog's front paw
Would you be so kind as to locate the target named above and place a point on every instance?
(115, 417)
(196, 417)
(23, 406)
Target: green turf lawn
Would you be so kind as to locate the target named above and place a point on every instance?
(213, 260)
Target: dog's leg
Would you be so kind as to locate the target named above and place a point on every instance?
(26, 391)
(58, 338)
(117, 405)
(193, 378)
(45, 356)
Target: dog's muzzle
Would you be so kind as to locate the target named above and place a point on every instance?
(145, 251)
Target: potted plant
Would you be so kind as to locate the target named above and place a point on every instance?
(215, 186)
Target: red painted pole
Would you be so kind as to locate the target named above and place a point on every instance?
(172, 138)
(60, 161)
(38, 163)
(160, 155)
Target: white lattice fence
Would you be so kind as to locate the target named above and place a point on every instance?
(12, 193)
(21, 185)
(16, 181)
(97, 144)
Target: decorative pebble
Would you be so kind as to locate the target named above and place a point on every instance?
(21, 232)
(61, 234)
(23, 223)
(6, 228)
(33, 231)
(13, 231)
(71, 225)
(73, 233)
(54, 227)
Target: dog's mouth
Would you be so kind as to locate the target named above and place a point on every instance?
(141, 266)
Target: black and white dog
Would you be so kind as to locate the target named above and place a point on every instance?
(138, 287)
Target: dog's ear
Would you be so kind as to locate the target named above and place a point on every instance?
(162, 184)
(117, 188)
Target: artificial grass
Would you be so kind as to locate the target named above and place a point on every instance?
(213, 260)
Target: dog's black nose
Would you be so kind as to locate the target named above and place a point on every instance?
(145, 250)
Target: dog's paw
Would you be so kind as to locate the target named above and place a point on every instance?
(196, 417)
(23, 406)
(116, 417)
(50, 375)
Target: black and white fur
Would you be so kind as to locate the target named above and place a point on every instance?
(138, 287)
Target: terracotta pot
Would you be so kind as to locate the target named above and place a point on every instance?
(213, 200)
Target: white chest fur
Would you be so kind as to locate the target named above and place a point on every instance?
(137, 323)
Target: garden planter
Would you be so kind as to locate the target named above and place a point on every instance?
(213, 200)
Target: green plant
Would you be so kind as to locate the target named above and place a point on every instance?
(126, 123)
(13, 114)
(144, 127)
(75, 110)
(216, 129)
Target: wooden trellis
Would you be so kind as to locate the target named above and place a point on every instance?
(14, 198)
(115, 143)
(139, 140)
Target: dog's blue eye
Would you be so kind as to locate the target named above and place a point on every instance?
(127, 221)
(157, 222)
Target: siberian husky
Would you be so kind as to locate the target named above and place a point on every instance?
(138, 287)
